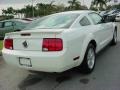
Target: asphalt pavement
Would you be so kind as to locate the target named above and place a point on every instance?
(106, 75)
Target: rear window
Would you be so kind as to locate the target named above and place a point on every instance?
(53, 21)
(84, 21)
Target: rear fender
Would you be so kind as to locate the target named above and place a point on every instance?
(84, 47)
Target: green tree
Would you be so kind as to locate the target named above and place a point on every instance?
(45, 9)
(109, 7)
(28, 10)
(9, 11)
(100, 3)
(83, 7)
(60, 8)
(4, 12)
(74, 4)
(41, 9)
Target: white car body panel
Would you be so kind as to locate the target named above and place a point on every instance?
(75, 42)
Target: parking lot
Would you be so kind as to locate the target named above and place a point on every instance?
(106, 75)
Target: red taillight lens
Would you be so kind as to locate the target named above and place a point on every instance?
(8, 44)
(52, 44)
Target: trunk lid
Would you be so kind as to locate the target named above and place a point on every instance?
(32, 39)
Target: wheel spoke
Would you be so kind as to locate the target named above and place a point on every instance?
(91, 58)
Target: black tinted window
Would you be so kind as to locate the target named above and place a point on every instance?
(84, 21)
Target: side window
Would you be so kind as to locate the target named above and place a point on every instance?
(84, 21)
(8, 24)
(14, 23)
(1, 25)
(95, 18)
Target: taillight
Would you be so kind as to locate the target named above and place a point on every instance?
(52, 44)
(8, 44)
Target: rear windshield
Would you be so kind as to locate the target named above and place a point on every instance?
(53, 21)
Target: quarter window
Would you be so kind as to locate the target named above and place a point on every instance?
(84, 21)
(95, 18)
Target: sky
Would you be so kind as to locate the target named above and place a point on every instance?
(18, 4)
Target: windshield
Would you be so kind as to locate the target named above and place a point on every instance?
(53, 21)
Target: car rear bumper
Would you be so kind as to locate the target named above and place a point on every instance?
(46, 62)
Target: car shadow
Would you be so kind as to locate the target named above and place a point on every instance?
(59, 78)
(37, 77)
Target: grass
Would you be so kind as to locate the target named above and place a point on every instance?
(1, 44)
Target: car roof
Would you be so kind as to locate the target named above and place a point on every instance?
(77, 12)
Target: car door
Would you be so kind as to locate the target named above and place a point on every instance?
(7, 27)
(103, 30)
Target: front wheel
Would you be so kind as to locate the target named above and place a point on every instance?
(88, 63)
(114, 40)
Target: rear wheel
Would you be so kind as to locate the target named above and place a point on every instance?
(17, 30)
(88, 63)
(114, 40)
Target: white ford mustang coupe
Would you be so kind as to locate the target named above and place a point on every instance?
(61, 41)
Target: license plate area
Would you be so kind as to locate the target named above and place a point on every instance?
(25, 62)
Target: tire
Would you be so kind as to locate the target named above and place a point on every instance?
(88, 63)
(17, 30)
(33, 72)
(114, 40)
